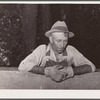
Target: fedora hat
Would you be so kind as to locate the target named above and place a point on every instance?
(59, 26)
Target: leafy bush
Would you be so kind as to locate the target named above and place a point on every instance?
(11, 38)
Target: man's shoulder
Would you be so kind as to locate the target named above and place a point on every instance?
(70, 47)
(73, 49)
(41, 47)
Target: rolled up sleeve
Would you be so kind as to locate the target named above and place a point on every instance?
(79, 59)
(33, 59)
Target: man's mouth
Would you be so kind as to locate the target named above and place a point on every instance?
(60, 50)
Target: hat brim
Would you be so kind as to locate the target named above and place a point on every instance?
(48, 33)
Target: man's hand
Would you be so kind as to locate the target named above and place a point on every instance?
(55, 74)
(69, 71)
(66, 71)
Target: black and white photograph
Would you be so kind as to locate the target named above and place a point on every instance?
(50, 46)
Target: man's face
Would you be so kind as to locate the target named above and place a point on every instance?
(59, 41)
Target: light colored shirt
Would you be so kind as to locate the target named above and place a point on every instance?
(44, 56)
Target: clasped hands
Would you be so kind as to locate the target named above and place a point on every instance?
(59, 73)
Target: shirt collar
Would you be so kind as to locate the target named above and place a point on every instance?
(48, 50)
(65, 53)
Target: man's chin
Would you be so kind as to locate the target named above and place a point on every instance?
(60, 51)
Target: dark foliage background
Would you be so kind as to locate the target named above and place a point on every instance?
(11, 35)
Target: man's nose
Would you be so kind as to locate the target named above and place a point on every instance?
(62, 44)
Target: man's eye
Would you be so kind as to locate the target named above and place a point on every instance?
(59, 40)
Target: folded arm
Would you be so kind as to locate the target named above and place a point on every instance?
(81, 64)
(37, 70)
(82, 69)
(31, 62)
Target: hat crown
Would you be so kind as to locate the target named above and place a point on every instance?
(60, 25)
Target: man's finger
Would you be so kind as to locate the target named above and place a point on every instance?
(60, 67)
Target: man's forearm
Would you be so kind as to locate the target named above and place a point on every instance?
(82, 69)
(37, 70)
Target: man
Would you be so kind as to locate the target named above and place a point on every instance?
(58, 60)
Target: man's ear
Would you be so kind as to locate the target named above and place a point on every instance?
(50, 39)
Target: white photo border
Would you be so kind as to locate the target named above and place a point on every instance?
(49, 94)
